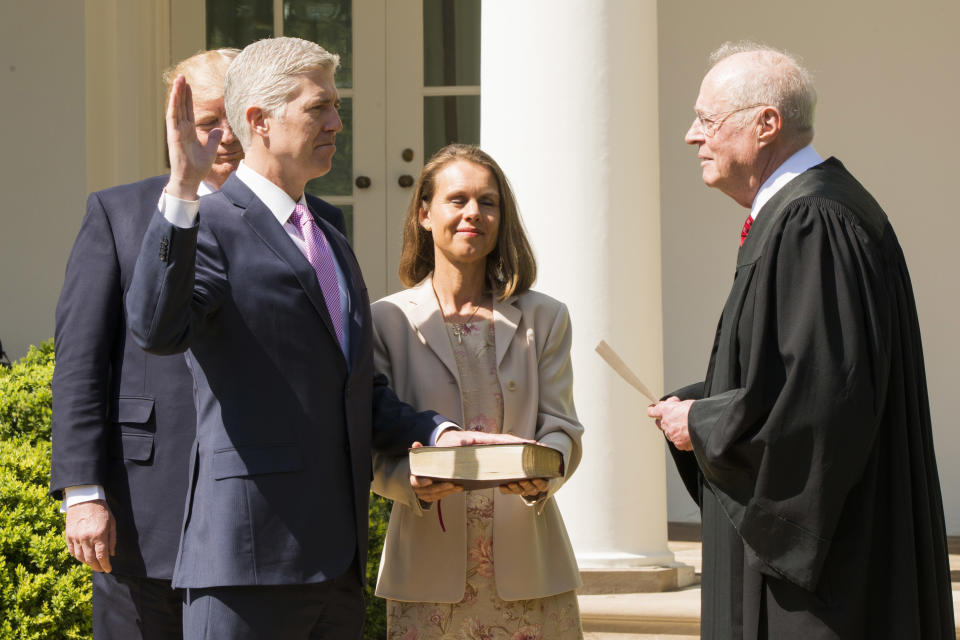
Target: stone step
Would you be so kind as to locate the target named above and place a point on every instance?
(653, 579)
(600, 635)
(672, 614)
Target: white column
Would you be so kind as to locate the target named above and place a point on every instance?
(569, 109)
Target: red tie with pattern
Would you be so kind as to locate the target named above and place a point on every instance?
(320, 257)
(746, 229)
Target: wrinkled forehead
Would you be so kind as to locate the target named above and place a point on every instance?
(208, 106)
(714, 90)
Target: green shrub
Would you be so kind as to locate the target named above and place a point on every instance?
(44, 593)
(376, 628)
(25, 396)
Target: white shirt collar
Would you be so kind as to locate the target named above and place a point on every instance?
(280, 204)
(790, 169)
(204, 189)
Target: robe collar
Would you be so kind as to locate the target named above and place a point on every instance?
(790, 169)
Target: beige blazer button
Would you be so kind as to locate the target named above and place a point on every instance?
(511, 386)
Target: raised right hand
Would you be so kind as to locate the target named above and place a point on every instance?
(190, 161)
(91, 533)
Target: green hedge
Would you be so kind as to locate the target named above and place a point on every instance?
(44, 592)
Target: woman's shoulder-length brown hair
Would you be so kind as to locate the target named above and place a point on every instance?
(511, 267)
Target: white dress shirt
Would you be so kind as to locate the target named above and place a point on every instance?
(790, 169)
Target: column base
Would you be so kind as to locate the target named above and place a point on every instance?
(651, 579)
(623, 560)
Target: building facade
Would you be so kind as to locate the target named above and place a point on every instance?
(585, 103)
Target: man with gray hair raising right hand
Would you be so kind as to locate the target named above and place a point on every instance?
(808, 446)
(267, 298)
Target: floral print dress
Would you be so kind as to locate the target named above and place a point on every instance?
(482, 614)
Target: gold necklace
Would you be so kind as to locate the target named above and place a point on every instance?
(459, 329)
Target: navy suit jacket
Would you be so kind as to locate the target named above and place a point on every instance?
(122, 418)
(285, 425)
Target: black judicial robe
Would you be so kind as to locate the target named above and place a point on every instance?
(813, 459)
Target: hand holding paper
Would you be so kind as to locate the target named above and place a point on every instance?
(616, 362)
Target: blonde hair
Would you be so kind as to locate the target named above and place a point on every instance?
(265, 74)
(204, 71)
(511, 268)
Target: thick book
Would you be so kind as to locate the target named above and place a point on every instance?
(486, 465)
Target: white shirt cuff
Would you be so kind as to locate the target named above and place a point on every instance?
(81, 493)
(180, 213)
(439, 431)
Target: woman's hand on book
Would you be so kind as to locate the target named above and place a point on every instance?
(529, 488)
(430, 490)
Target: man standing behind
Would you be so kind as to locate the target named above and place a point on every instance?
(122, 419)
(269, 300)
(809, 445)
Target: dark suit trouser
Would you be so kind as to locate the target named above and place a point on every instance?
(331, 610)
(130, 608)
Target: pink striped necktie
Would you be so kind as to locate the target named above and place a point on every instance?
(320, 257)
(746, 229)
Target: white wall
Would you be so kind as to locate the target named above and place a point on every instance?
(42, 166)
(83, 110)
(889, 88)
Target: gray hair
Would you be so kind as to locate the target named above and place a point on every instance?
(266, 74)
(773, 77)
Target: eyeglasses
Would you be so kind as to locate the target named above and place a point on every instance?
(710, 123)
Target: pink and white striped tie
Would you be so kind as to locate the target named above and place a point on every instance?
(320, 257)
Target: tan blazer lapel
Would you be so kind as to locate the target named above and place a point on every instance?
(506, 319)
(424, 313)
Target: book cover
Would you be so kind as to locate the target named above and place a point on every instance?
(488, 465)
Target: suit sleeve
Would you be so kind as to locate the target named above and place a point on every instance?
(783, 452)
(557, 423)
(89, 324)
(396, 425)
(391, 472)
(179, 279)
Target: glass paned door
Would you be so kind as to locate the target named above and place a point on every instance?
(451, 73)
(409, 81)
(237, 23)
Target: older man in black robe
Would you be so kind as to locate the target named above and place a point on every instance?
(808, 446)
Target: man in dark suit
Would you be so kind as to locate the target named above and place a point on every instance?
(123, 419)
(808, 445)
(269, 301)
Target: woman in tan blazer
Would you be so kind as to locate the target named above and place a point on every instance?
(471, 340)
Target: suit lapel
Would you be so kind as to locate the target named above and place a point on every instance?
(424, 313)
(356, 302)
(506, 319)
(265, 226)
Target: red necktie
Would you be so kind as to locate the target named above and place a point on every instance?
(746, 229)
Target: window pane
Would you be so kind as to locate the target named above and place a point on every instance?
(339, 182)
(237, 23)
(451, 43)
(329, 24)
(449, 119)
